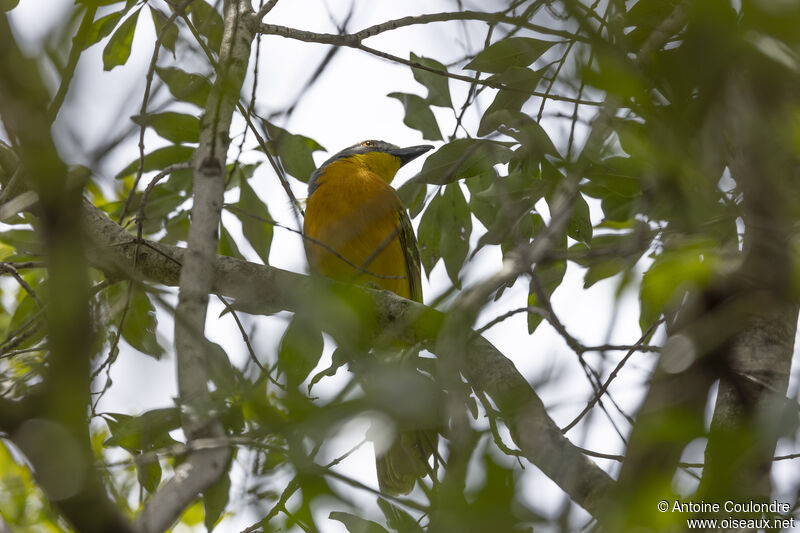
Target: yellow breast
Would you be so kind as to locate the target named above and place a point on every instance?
(357, 214)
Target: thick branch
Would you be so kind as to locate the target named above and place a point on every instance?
(262, 289)
(203, 468)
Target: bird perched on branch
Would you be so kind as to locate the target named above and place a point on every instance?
(359, 231)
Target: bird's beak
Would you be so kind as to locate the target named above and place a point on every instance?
(410, 153)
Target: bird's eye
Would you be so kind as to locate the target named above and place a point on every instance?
(368, 143)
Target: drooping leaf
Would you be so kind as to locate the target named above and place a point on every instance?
(412, 195)
(507, 53)
(208, 22)
(118, 49)
(215, 500)
(456, 226)
(300, 350)
(149, 475)
(603, 270)
(547, 274)
(167, 31)
(463, 158)
(580, 224)
(176, 127)
(429, 235)
(437, 85)
(139, 327)
(257, 232)
(185, 86)
(418, 115)
(295, 151)
(227, 244)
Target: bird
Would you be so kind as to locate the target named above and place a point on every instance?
(357, 230)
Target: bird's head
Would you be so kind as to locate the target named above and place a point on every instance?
(382, 158)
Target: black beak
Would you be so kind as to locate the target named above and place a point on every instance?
(410, 153)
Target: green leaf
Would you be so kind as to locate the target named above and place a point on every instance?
(616, 73)
(456, 228)
(419, 115)
(673, 272)
(23, 240)
(463, 158)
(534, 141)
(356, 524)
(177, 229)
(300, 350)
(520, 78)
(645, 16)
(167, 31)
(24, 313)
(215, 499)
(149, 475)
(398, 519)
(615, 175)
(176, 127)
(118, 49)
(505, 206)
(208, 22)
(437, 85)
(549, 275)
(227, 244)
(185, 86)
(142, 433)
(501, 111)
(603, 270)
(160, 204)
(295, 151)
(429, 235)
(580, 225)
(101, 27)
(507, 53)
(8, 5)
(159, 159)
(412, 195)
(139, 327)
(444, 232)
(257, 232)
(220, 369)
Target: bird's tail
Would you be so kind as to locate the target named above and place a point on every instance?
(405, 462)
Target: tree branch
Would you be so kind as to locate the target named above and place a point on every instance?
(354, 40)
(266, 290)
(202, 468)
